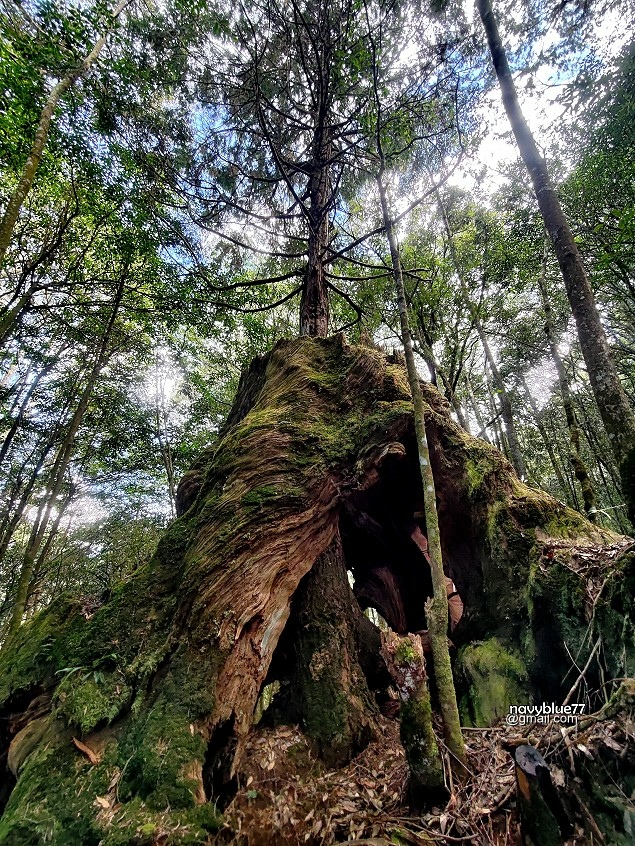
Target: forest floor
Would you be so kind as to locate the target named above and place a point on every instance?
(286, 796)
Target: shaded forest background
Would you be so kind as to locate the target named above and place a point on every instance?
(166, 234)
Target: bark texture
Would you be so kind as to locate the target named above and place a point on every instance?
(125, 717)
(314, 303)
(406, 664)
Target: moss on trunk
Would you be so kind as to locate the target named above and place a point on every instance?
(327, 690)
(493, 679)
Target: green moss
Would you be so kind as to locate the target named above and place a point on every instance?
(26, 742)
(422, 751)
(160, 746)
(405, 653)
(87, 700)
(615, 618)
(38, 649)
(495, 678)
(566, 524)
(56, 802)
(48, 804)
(259, 496)
(556, 607)
(478, 469)
(505, 565)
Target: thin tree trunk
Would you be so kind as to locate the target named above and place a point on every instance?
(10, 525)
(577, 462)
(565, 464)
(32, 163)
(515, 452)
(449, 391)
(437, 606)
(60, 466)
(33, 593)
(546, 441)
(163, 437)
(23, 406)
(500, 438)
(11, 315)
(606, 469)
(477, 414)
(613, 404)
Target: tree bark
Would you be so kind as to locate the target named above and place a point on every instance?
(327, 689)
(314, 302)
(406, 664)
(615, 410)
(543, 818)
(437, 605)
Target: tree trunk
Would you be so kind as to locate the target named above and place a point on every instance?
(17, 422)
(160, 681)
(314, 303)
(615, 410)
(448, 387)
(577, 462)
(326, 687)
(437, 604)
(482, 433)
(16, 201)
(406, 664)
(543, 818)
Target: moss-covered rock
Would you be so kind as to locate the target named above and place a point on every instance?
(494, 678)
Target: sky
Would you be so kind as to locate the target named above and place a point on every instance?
(539, 95)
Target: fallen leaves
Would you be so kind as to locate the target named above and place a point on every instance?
(298, 802)
(90, 754)
(302, 803)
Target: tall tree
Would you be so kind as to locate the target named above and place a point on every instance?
(615, 409)
(406, 113)
(40, 138)
(285, 96)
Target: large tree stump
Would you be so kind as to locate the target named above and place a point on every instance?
(167, 672)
